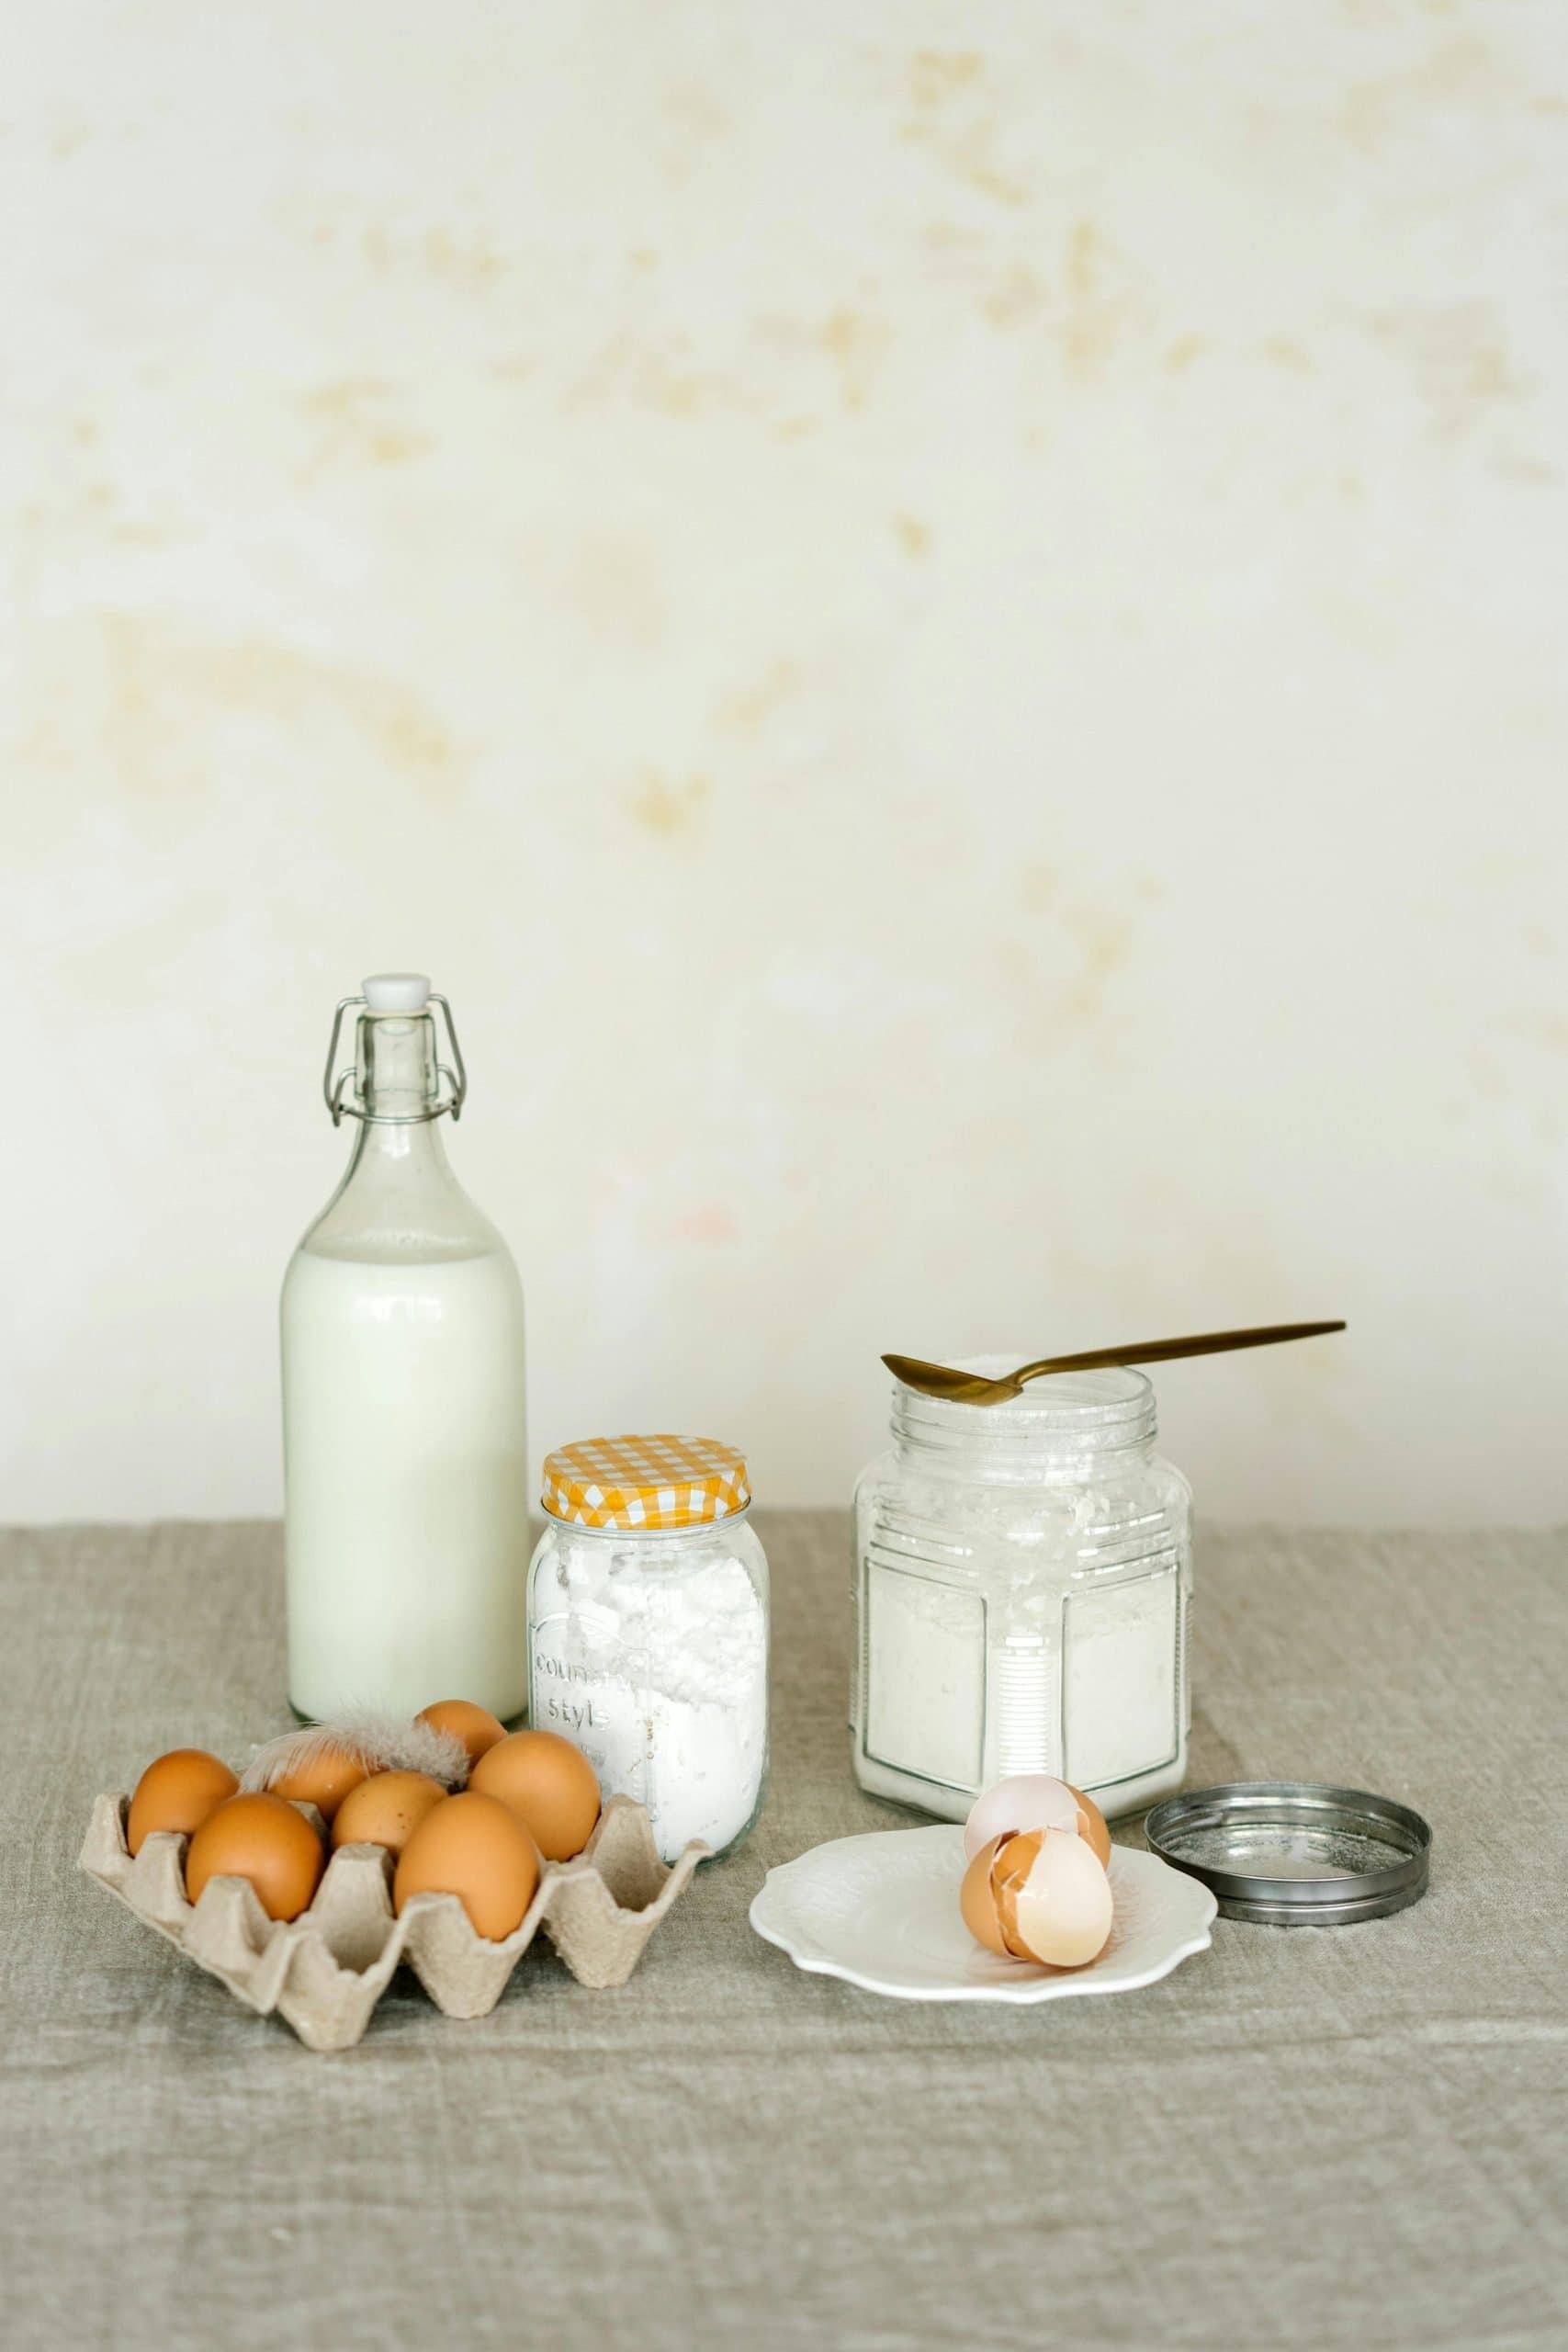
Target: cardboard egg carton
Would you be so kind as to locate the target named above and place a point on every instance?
(325, 1972)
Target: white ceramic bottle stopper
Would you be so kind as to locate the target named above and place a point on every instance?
(397, 991)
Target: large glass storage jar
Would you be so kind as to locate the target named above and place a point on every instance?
(647, 1630)
(1022, 1584)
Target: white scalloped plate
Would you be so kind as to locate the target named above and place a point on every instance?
(880, 1911)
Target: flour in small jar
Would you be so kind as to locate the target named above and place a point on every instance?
(653, 1658)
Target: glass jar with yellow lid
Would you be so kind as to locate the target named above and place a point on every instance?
(647, 1630)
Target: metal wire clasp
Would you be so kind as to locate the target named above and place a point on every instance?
(335, 1082)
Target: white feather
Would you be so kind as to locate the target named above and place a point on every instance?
(383, 1743)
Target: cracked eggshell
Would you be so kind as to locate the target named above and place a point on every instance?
(1044, 1896)
(1035, 1801)
(977, 1901)
(1092, 1826)
(1053, 1897)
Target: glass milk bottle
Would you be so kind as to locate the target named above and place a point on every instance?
(405, 1450)
(1023, 1574)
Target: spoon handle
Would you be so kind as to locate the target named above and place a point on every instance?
(1200, 1344)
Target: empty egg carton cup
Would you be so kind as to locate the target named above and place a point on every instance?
(324, 1971)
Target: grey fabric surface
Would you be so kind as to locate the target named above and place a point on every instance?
(1302, 2138)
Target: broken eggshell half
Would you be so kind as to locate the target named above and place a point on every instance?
(1044, 1896)
(1034, 1801)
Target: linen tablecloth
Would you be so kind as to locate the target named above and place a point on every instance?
(1302, 2138)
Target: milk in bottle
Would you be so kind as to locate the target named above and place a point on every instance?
(405, 1450)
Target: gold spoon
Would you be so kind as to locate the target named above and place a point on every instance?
(974, 1388)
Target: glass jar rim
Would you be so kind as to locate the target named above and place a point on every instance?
(646, 1534)
(1062, 1413)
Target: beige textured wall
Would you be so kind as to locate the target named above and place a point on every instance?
(945, 624)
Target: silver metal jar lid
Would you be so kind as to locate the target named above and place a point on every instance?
(1296, 1853)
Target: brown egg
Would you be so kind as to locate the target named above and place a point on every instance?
(472, 1847)
(1041, 1897)
(265, 1839)
(475, 1726)
(386, 1810)
(323, 1779)
(177, 1791)
(550, 1786)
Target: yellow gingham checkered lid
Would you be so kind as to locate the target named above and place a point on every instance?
(655, 1482)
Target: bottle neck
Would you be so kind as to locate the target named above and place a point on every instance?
(400, 1147)
(399, 1081)
(399, 1199)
